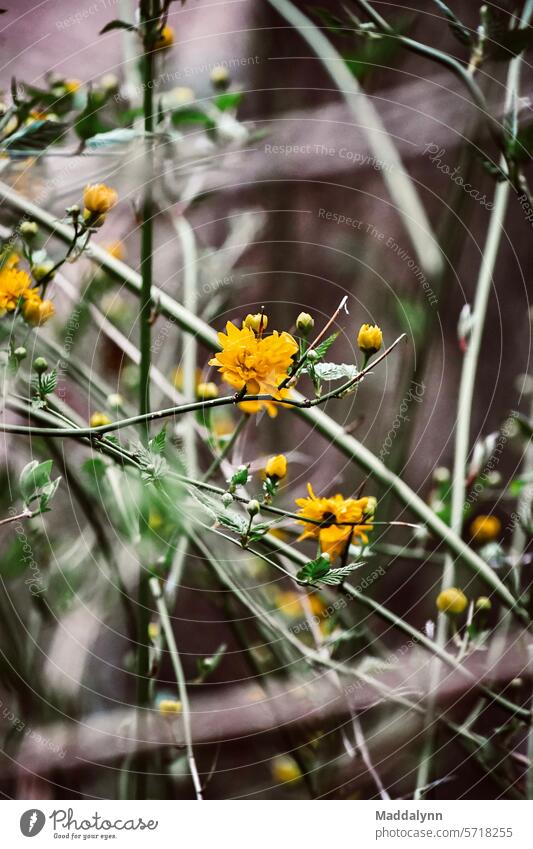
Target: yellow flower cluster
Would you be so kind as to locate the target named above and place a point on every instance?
(259, 363)
(333, 537)
(15, 285)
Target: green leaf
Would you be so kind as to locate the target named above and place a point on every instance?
(111, 137)
(228, 100)
(323, 347)
(157, 444)
(35, 136)
(49, 382)
(189, 117)
(314, 571)
(337, 576)
(335, 371)
(88, 123)
(117, 25)
(33, 477)
(35, 483)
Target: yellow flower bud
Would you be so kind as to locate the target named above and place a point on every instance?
(220, 77)
(99, 419)
(305, 323)
(98, 199)
(485, 529)
(483, 603)
(258, 322)
(369, 339)
(207, 391)
(153, 630)
(452, 601)
(29, 229)
(36, 312)
(165, 39)
(169, 707)
(284, 769)
(276, 467)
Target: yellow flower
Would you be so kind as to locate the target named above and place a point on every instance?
(36, 311)
(72, 86)
(369, 339)
(485, 529)
(258, 322)
(276, 467)
(207, 391)
(14, 284)
(99, 419)
(169, 707)
(284, 769)
(98, 198)
(116, 250)
(259, 364)
(290, 604)
(153, 631)
(452, 600)
(165, 39)
(327, 511)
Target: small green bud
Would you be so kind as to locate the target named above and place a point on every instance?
(483, 603)
(42, 270)
(312, 356)
(20, 353)
(40, 365)
(220, 77)
(29, 229)
(305, 323)
(253, 507)
(227, 499)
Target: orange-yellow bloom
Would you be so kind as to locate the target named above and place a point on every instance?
(98, 198)
(276, 467)
(14, 284)
(485, 529)
(259, 364)
(165, 39)
(36, 311)
(99, 419)
(370, 338)
(328, 511)
(452, 600)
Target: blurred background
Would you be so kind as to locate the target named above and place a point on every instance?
(289, 210)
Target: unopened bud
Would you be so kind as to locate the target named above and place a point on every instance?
(253, 507)
(40, 365)
(305, 323)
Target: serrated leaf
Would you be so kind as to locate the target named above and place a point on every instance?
(240, 477)
(335, 371)
(35, 136)
(314, 571)
(117, 24)
(337, 576)
(323, 347)
(48, 382)
(158, 442)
